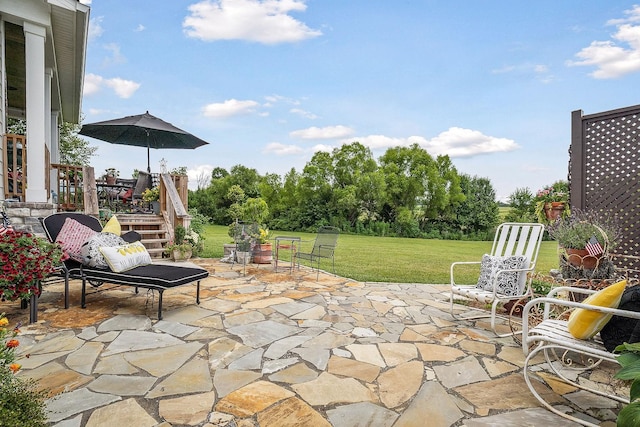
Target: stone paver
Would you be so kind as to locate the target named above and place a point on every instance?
(272, 349)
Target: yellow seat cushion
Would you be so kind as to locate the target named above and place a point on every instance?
(584, 323)
(112, 226)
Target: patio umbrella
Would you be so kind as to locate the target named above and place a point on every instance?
(143, 130)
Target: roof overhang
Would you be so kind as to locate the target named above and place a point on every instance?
(67, 24)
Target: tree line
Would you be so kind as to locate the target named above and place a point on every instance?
(406, 192)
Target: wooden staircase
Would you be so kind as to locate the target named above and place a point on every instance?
(152, 228)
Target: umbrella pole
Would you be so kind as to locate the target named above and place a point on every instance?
(148, 158)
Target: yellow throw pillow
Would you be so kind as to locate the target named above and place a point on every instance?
(112, 226)
(584, 323)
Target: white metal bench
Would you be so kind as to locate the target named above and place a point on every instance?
(552, 338)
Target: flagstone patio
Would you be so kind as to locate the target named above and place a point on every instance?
(277, 349)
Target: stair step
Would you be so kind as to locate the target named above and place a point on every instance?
(144, 233)
(155, 251)
(160, 240)
(152, 229)
(128, 223)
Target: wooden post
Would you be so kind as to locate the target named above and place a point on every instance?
(90, 191)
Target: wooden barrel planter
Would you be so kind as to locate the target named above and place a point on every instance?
(262, 253)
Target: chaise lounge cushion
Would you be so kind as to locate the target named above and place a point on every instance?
(584, 324)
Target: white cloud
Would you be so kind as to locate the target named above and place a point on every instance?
(303, 113)
(122, 88)
(228, 108)
(539, 71)
(322, 147)
(140, 28)
(95, 28)
(199, 173)
(116, 57)
(262, 21)
(454, 142)
(610, 59)
(281, 149)
(328, 132)
(460, 142)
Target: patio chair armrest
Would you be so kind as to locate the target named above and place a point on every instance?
(453, 265)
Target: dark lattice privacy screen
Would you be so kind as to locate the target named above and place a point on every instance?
(604, 173)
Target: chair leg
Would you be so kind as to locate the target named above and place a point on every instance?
(160, 291)
(66, 290)
(198, 293)
(83, 297)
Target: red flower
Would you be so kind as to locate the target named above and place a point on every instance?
(13, 343)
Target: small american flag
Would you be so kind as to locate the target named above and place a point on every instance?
(593, 246)
(5, 225)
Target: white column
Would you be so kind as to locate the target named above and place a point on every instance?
(55, 152)
(35, 112)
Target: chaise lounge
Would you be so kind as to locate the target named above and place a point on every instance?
(157, 277)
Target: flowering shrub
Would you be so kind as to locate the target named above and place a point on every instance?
(25, 260)
(151, 194)
(186, 240)
(21, 402)
(8, 345)
(558, 192)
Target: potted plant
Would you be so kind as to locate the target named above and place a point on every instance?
(243, 250)
(27, 259)
(110, 175)
(182, 248)
(586, 237)
(152, 196)
(262, 251)
(551, 202)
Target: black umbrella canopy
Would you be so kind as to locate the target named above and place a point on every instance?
(143, 130)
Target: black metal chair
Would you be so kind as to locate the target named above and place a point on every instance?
(324, 247)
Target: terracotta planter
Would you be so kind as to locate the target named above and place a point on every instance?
(262, 253)
(554, 210)
(580, 257)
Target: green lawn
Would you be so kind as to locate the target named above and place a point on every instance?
(393, 259)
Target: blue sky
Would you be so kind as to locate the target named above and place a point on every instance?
(267, 83)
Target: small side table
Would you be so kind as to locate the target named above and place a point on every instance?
(286, 242)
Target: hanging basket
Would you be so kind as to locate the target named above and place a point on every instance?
(553, 210)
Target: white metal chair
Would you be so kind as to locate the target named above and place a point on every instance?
(514, 253)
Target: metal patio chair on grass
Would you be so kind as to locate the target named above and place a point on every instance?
(324, 247)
